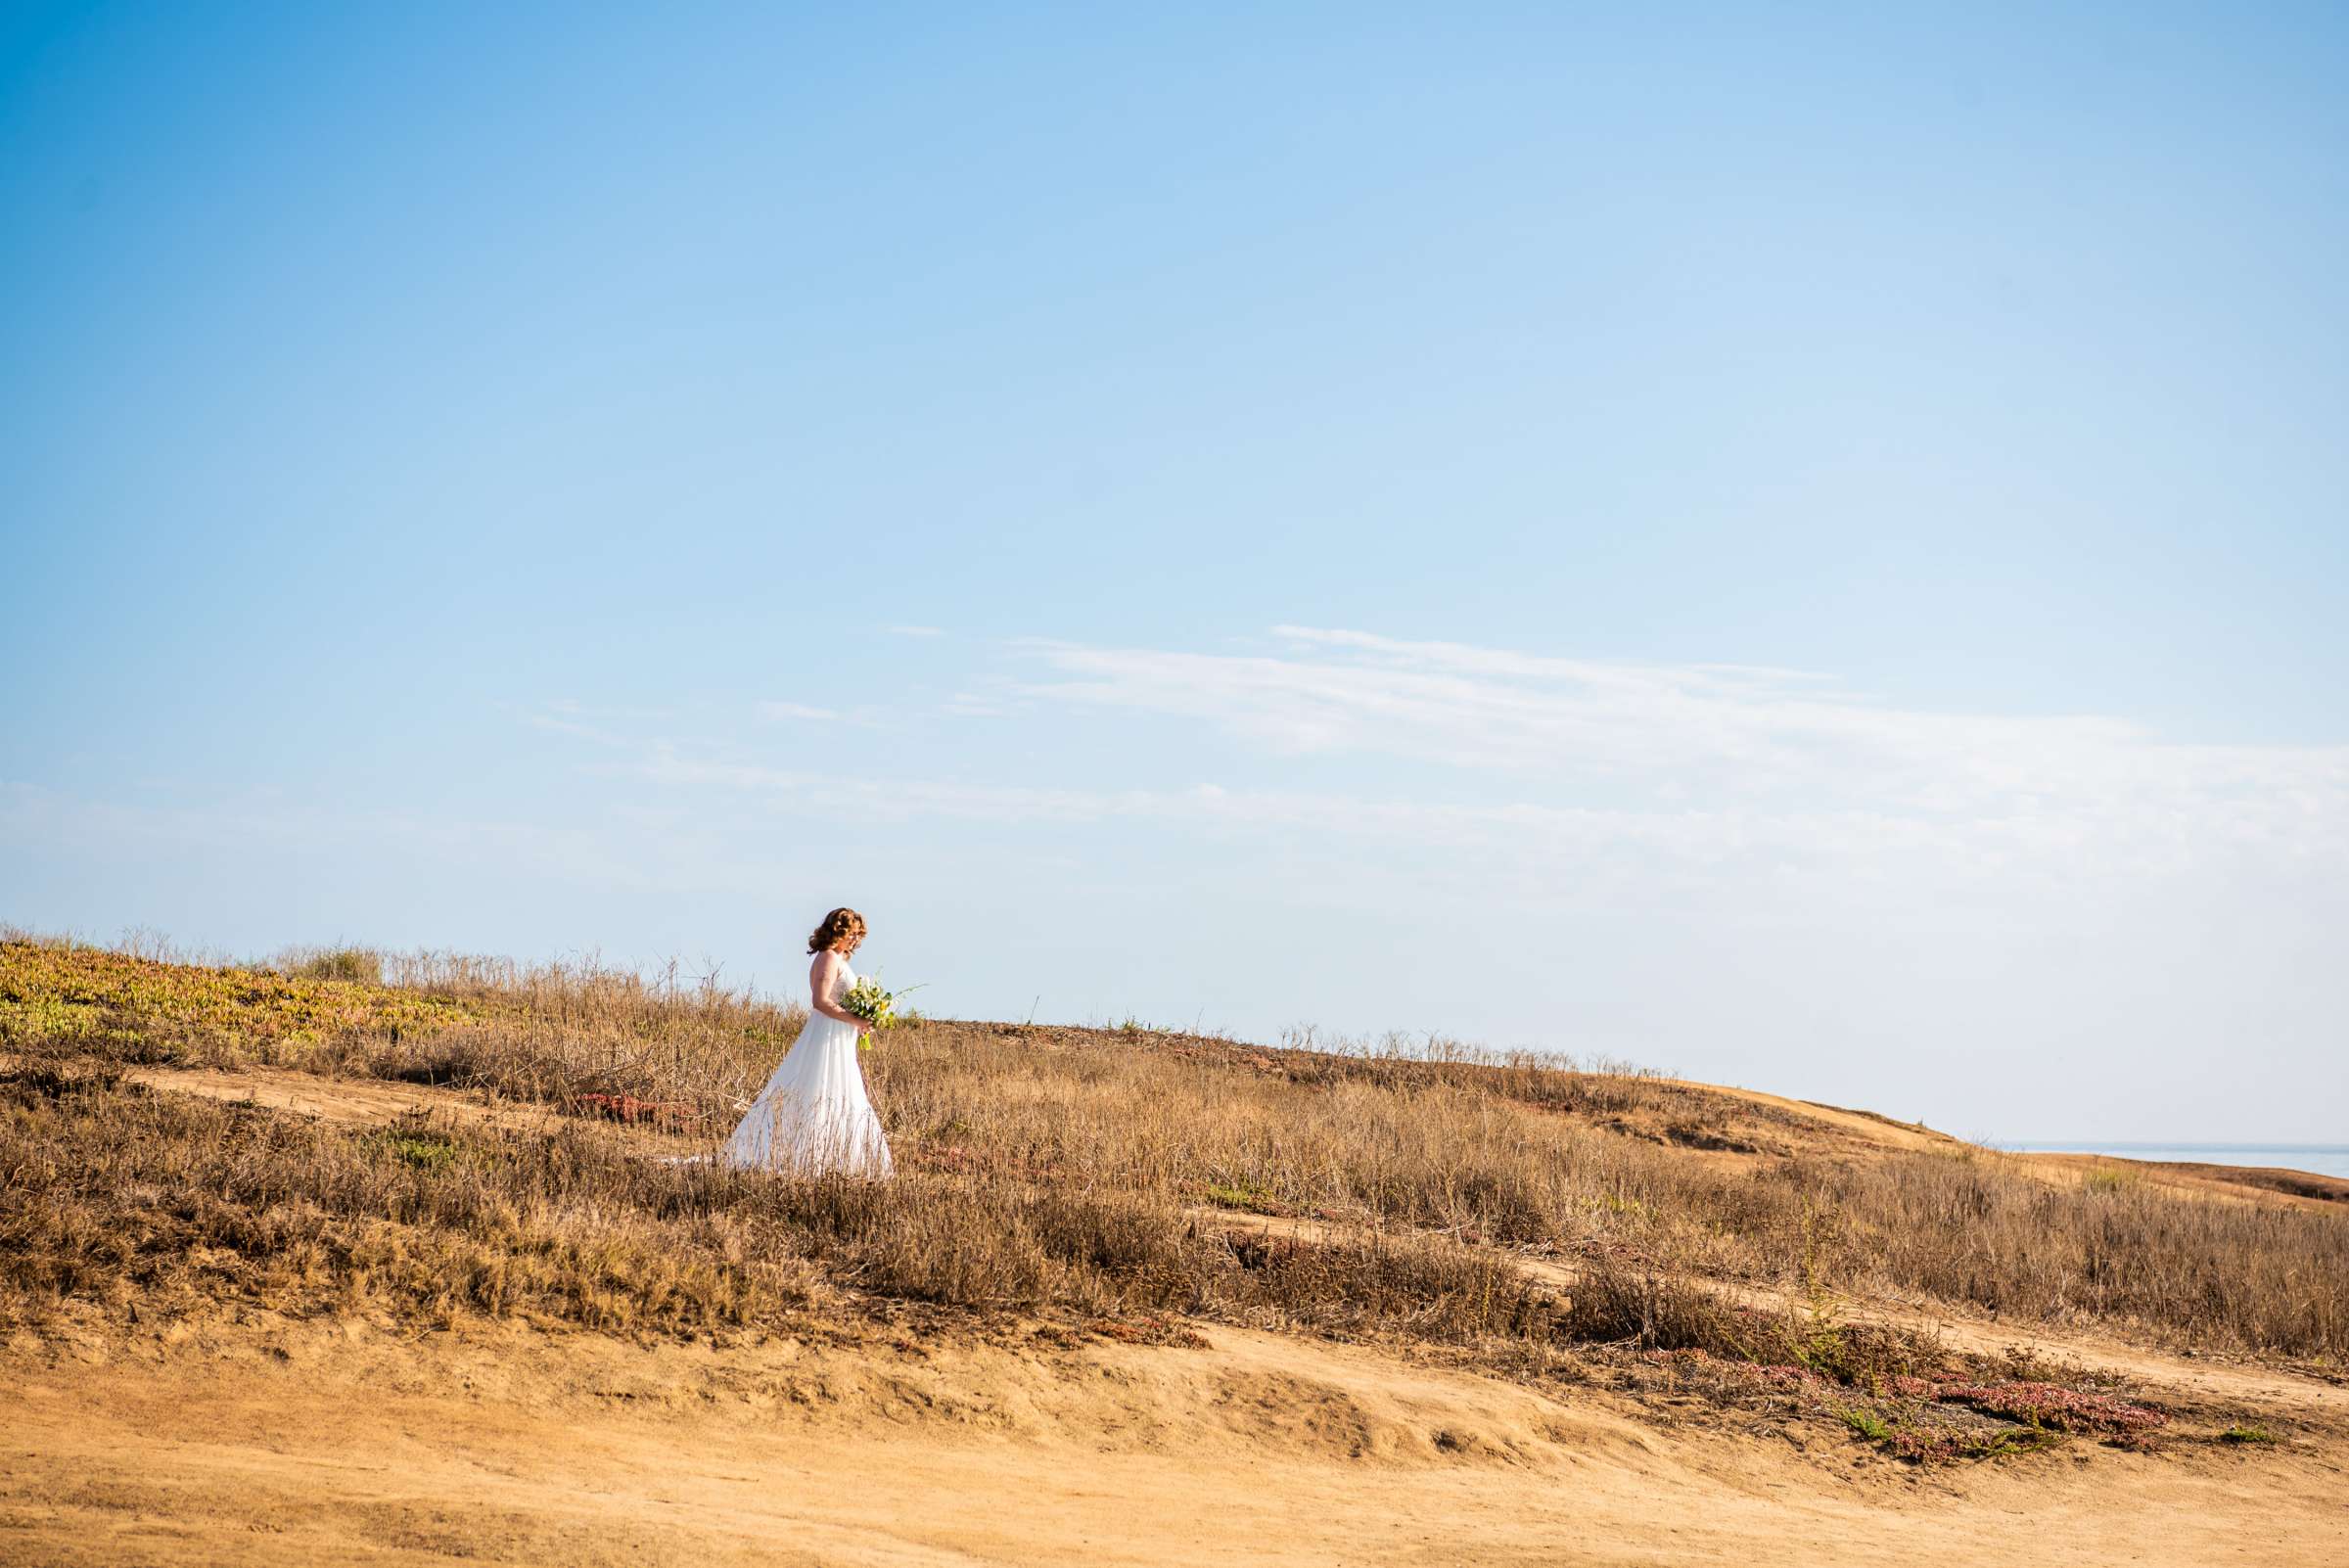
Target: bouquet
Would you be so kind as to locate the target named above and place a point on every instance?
(876, 1007)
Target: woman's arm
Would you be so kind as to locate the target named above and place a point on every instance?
(823, 976)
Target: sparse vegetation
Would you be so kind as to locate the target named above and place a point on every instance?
(362, 965)
(1868, 1425)
(146, 1009)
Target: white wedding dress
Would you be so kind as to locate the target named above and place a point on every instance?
(813, 1118)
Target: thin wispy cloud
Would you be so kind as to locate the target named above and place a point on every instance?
(1599, 774)
(785, 710)
(252, 824)
(557, 723)
(604, 726)
(1768, 745)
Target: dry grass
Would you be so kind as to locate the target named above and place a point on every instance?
(2230, 1274)
(163, 1203)
(1045, 1170)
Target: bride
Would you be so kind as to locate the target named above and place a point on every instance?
(813, 1118)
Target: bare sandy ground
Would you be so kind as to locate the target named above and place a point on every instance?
(272, 1441)
(344, 1099)
(275, 1442)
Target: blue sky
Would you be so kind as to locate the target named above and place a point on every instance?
(1800, 544)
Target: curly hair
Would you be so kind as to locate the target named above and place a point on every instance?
(840, 923)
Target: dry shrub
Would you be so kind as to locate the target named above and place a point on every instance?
(1983, 1232)
(363, 965)
(1657, 1309)
(1653, 1309)
(1432, 1289)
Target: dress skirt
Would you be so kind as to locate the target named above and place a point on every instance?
(813, 1118)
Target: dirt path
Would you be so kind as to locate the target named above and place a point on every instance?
(1857, 1125)
(296, 1443)
(342, 1099)
(371, 1101)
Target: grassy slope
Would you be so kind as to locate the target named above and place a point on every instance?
(1507, 1214)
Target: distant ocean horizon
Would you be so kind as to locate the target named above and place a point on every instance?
(2322, 1159)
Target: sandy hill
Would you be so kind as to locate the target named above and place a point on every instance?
(369, 1261)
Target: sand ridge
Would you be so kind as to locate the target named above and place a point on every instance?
(268, 1440)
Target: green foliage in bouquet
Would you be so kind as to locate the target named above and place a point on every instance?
(875, 1005)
